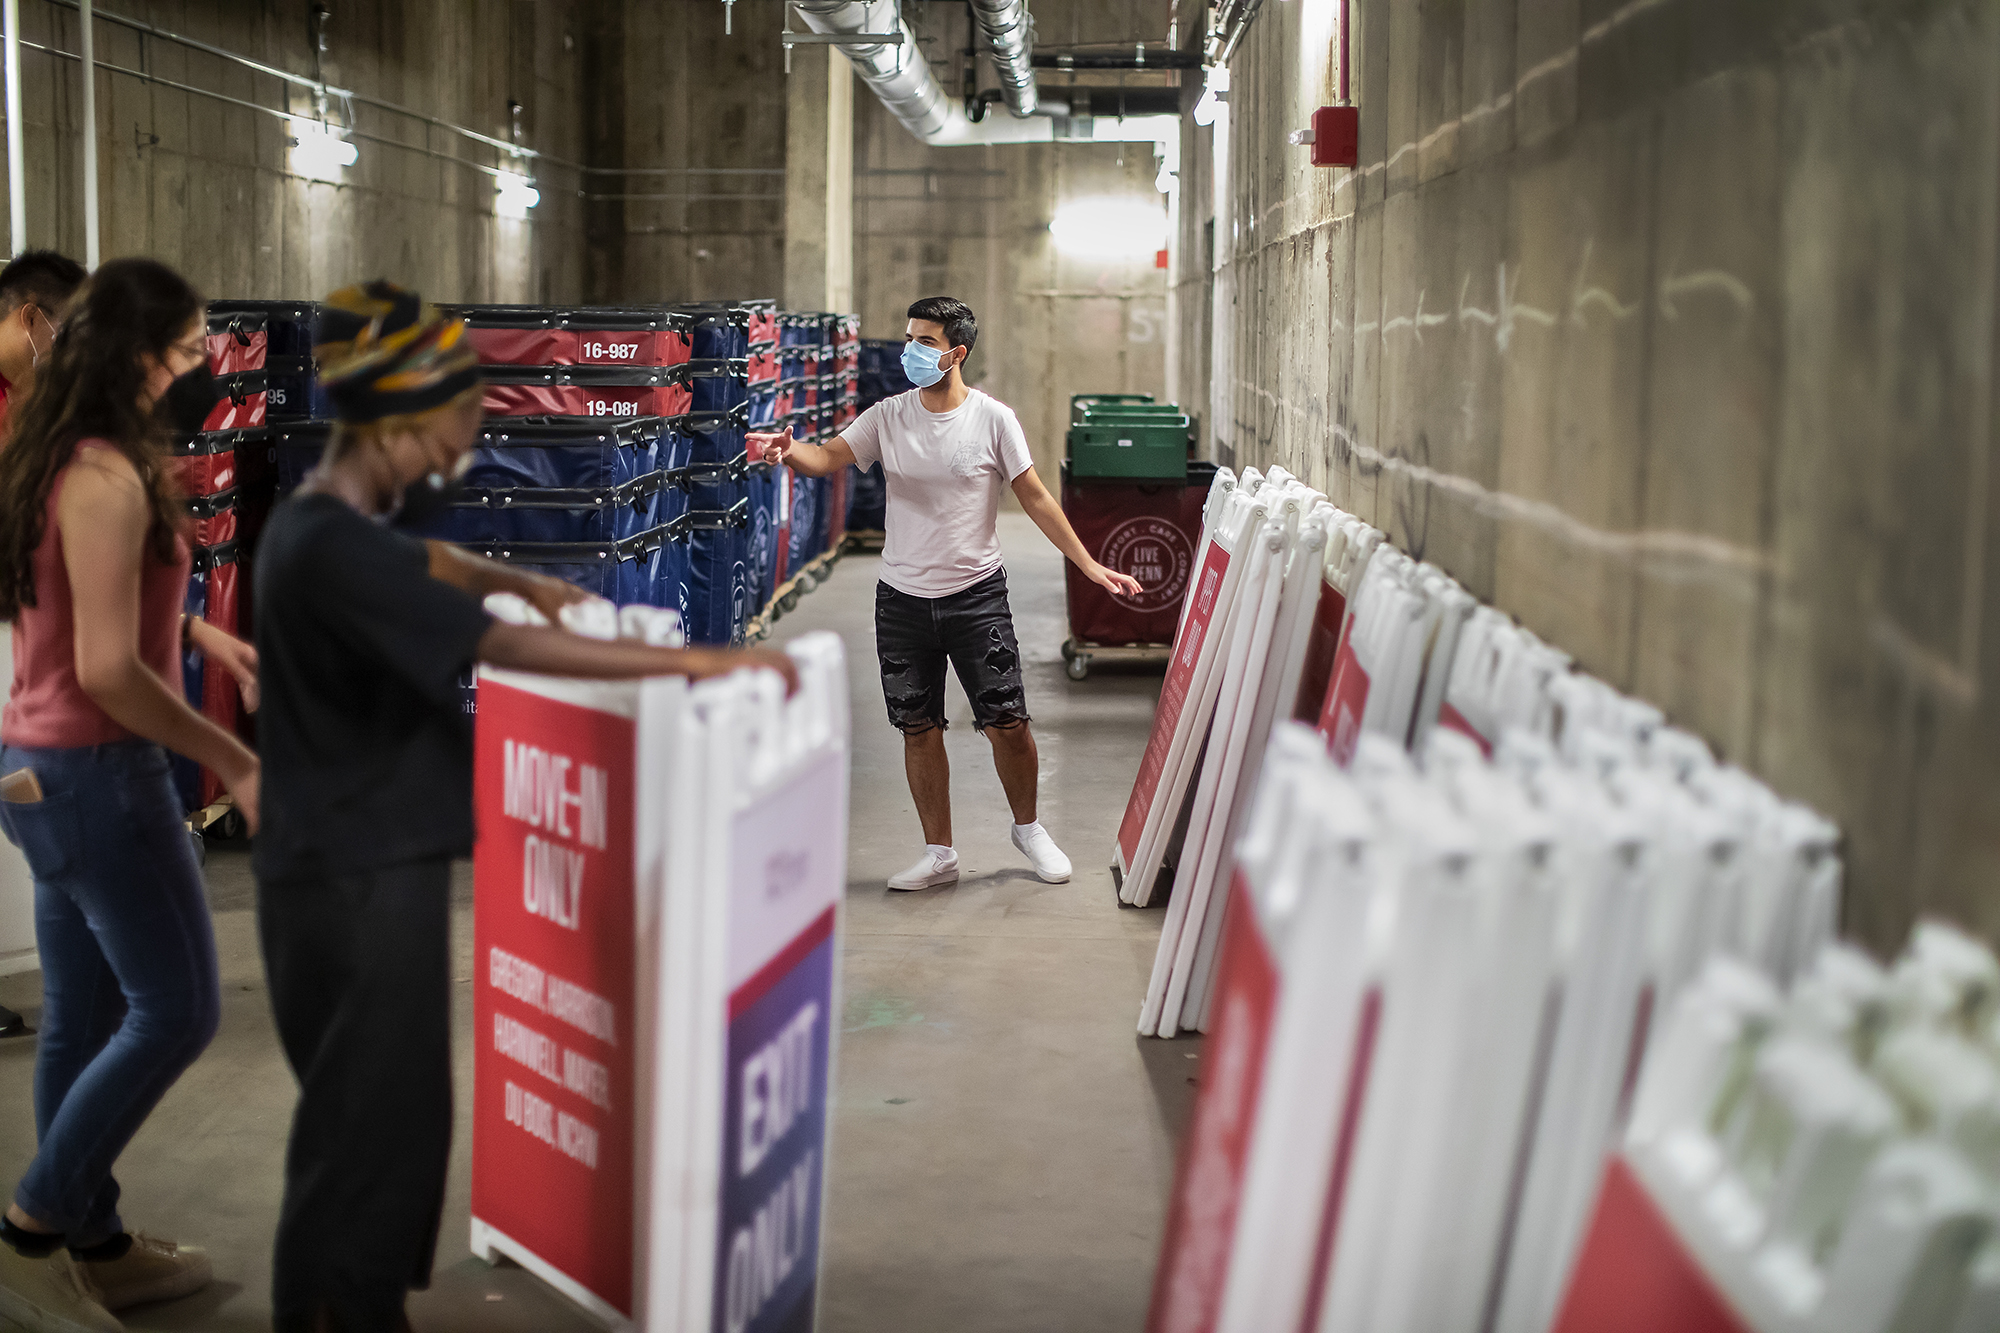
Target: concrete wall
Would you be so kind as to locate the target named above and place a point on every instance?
(688, 124)
(208, 186)
(670, 89)
(974, 223)
(819, 181)
(1667, 326)
(649, 87)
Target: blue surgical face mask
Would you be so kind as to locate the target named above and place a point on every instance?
(920, 363)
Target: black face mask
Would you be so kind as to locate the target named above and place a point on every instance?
(426, 500)
(188, 400)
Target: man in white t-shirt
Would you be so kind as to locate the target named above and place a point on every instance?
(946, 451)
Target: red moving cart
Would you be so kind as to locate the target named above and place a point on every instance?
(1150, 530)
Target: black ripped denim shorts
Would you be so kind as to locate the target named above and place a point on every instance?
(974, 631)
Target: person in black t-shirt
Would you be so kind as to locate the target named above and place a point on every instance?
(363, 634)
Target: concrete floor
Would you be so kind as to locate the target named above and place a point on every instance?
(1002, 1143)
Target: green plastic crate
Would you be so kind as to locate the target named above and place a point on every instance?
(1082, 402)
(1136, 449)
(1128, 412)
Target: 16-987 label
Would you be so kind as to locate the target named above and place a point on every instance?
(596, 351)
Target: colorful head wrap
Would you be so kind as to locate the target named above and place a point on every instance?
(385, 352)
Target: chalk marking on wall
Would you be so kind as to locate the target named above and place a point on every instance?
(1466, 312)
(1427, 321)
(1584, 296)
(1651, 543)
(1708, 280)
(1726, 557)
(1601, 29)
(1511, 310)
(1561, 60)
(1503, 328)
(1920, 665)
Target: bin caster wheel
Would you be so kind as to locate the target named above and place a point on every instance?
(1069, 650)
(231, 825)
(1079, 667)
(790, 601)
(200, 847)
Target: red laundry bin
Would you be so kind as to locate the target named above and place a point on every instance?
(1150, 530)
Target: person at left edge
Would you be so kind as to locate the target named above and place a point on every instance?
(363, 634)
(34, 287)
(94, 561)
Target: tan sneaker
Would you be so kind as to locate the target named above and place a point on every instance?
(52, 1295)
(152, 1270)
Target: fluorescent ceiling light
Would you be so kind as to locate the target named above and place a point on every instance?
(1111, 228)
(514, 195)
(318, 150)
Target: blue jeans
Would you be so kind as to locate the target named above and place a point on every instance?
(129, 988)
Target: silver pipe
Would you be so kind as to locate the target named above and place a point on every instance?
(1010, 37)
(17, 163)
(89, 143)
(899, 75)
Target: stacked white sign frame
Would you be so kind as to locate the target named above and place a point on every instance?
(1264, 658)
(1231, 525)
(741, 869)
(751, 872)
(1831, 1157)
(1389, 679)
(1465, 962)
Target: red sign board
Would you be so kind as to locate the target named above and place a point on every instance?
(1456, 721)
(1346, 696)
(553, 932)
(1322, 643)
(1634, 1275)
(1201, 1218)
(1173, 698)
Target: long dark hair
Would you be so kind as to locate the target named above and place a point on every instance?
(88, 386)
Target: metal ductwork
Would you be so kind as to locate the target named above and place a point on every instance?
(1010, 36)
(899, 75)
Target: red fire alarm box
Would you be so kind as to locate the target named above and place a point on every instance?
(1336, 136)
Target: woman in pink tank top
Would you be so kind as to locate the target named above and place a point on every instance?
(93, 571)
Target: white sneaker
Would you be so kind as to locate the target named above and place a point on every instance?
(1042, 852)
(52, 1295)
(930, 871)
(152, 1270)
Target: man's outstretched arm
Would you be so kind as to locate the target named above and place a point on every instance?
(1049, 517)
(808, 460)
